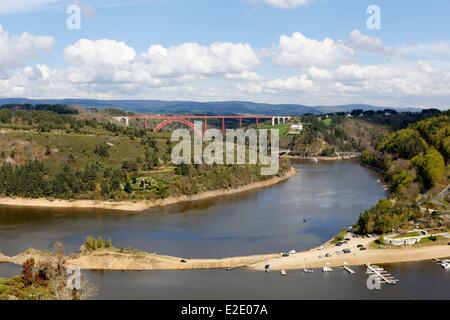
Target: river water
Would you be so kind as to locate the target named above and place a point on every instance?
(299, 214)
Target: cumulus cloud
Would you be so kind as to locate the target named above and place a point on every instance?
(431, 50)
(113, 61)
(244, 76)
(15, 50)
(361, 42)
(300, 51)
(104, 52)
(300, 83)
(193, 58)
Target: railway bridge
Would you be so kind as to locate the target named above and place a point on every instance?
(188, 120)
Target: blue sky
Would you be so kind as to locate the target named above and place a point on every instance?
(405, 63)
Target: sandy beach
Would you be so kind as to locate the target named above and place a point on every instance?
(141, 205)
(317, 257)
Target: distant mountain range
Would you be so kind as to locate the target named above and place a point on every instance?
(183, 107)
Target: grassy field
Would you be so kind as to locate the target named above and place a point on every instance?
(283, 128)
(408, 235)
(13, 288)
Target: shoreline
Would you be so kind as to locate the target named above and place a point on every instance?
(140, 205)
(122, 260)
(323, 158)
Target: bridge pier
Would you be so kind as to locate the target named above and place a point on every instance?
(280, 120)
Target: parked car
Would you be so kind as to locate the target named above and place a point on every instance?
(328, 255)
(183, 261)
(285, 254)
(362, 249)
(360, 246)
(347, 251)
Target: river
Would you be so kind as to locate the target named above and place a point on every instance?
(298, 214)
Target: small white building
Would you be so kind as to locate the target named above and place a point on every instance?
(297, 127)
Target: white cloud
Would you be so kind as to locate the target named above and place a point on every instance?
(361, 72)
(361, 42)
(193, 58)
(286, 4)
(250, 88)
(101, 52)
(112, 61)
(319, 74)
(16, 49)
(299, 51)
(244, 76)
(300, 83)
(428, 51)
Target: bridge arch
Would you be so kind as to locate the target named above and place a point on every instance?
(187, 123)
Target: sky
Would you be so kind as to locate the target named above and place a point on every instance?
(311, 52)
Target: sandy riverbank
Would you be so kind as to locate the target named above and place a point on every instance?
(316, 258)
(141, 204)
(114, 259)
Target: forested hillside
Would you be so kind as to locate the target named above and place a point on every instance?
(415, 161)
(72, 153)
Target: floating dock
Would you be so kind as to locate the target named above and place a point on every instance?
(348, 270)
(381, 274)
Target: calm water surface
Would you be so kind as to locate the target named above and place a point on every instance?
(298, 214)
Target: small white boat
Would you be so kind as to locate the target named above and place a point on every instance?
(308, 270)
(327, 269)
(283, 273)
(445, 264)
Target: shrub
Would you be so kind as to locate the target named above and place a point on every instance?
(27, 272)
(380, 240)
(102, 150)
(100, 242)
(90, 243)
(341, 236)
